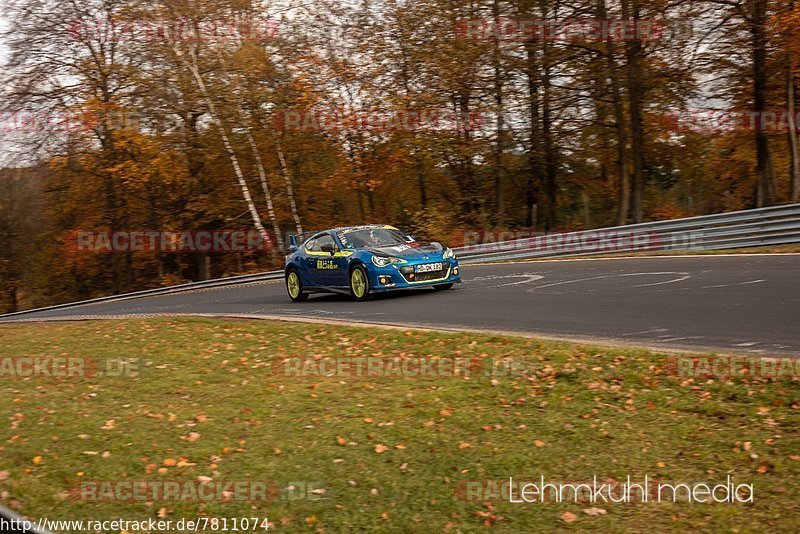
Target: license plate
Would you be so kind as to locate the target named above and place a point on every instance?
(428, 267)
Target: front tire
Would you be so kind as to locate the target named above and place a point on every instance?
(294, 286)
(443, 287)
(359, 284)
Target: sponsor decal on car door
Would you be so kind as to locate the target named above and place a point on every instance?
(328, 269)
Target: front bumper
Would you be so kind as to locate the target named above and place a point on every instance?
(396, 276)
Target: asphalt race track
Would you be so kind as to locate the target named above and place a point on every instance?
(747, 304)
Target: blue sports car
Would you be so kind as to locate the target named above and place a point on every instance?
(364, 260)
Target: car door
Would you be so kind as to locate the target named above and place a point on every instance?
(341, 259)
(324, 264)
(308, 263)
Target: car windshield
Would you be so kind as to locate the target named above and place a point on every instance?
(373, 237)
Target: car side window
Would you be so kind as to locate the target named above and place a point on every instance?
(322, 241)
(310, 244)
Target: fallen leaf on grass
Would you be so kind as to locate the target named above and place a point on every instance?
(489, 518)
(381, 448)
(4, 476)
(538, 443)
(463, 445)
(569, 517)
(594, 511)
(37, 460)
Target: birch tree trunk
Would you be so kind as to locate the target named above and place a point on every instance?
(794, 158)
(624, 192)
(287, 178)
(633, 50)
(535, 171)
(499, 124)
(764, 169)
(217, 120)
(262, 175)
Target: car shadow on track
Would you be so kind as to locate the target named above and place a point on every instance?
(389, 295)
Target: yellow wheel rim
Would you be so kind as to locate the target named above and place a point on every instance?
(358, 283)
(293, 283)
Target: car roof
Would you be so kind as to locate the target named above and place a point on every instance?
(360, 227)
(305, 237)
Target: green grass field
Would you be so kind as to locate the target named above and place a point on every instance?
(210, 399)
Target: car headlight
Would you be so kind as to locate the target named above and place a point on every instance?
(448, 253)
(383, 261)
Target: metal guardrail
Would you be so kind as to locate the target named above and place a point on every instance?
(777, 225)
(766, 226)
(218, 282)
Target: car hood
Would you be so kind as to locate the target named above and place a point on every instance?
(415, 251)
